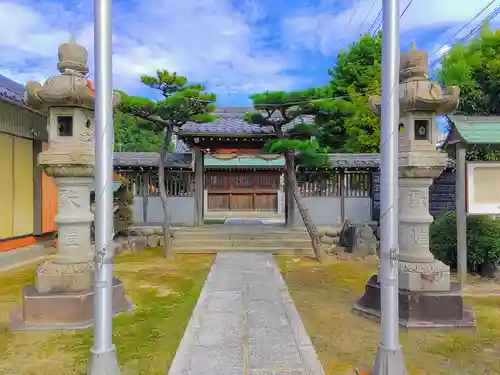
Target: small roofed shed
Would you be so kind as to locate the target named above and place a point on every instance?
(474, 131)
(468, 132)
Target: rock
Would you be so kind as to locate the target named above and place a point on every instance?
(363, 241)
(135, 232)
(153, 240)
(327, 240)
(162, 241)
(344, 233)
(159, 231)
(491, 271)
(148, 231)
(140, 243)
(333, 232)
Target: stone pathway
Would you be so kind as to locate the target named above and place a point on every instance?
(245, 323)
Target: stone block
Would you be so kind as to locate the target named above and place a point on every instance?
(431, 277)
(148, 231)
(161, 241)
(52, 277)
(333, 232)
(421, 309)
(344, 236)
(361, 240)
(140, 243)
(328, 240)
(159, 231)
(153, 240)
(63, 309)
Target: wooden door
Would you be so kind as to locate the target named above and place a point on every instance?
(23, 187)
(7, 186)
(242, 191)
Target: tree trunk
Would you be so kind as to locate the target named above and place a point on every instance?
(167, 243)
(304, 212)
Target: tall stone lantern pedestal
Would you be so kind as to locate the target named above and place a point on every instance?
(427, 297)
(62, 297)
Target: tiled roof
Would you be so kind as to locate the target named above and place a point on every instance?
(362, 161)
(11, 90)
(151, 159)
(230, 120)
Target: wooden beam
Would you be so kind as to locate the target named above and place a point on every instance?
(461, 212)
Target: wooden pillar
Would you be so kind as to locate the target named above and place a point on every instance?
(461, 212)
(145, 196)
(289, 202)
(199, 185)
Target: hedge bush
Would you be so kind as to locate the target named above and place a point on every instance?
(483, 241)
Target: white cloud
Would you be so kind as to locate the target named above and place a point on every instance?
(324, 31)
(206, 40)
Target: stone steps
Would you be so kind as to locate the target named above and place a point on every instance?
(230, 238)
(225, 249)
(217, 236)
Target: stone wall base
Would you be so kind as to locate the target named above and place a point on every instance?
(64, 310)
(419, 309)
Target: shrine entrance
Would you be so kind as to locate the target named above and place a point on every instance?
(242, 190)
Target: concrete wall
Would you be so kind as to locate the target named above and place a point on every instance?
(323, 210)
(327, 211)
(182, 211)
(358, 209)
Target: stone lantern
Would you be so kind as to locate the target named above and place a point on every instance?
(427, 297)
(63, 290)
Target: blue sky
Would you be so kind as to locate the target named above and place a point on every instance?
(235, 47)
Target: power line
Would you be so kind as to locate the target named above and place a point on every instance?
(375, 21)
(348, 24)
(400, 16)
(463, 27)
(472, 33)
(366, 17)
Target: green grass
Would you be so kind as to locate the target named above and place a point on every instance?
(146, 339)
(214, 221)
(325, 294)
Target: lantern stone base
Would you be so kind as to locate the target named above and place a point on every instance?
(52, 277)
(429, 277)
(421, 309)
(58, 311)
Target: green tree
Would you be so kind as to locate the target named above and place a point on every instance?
(346, 122)
(133, 134)
(280, 110)
(475, 68)
(181, 103)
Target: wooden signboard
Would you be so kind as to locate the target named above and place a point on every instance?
(483, 188)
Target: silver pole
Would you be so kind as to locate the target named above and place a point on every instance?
(103, 356)
(389, 360)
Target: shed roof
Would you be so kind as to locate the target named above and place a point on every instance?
(474, 130)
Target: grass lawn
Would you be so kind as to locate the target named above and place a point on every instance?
(146, 338)
(325, 294)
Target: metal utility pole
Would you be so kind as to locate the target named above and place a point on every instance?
(103, 356)
(389, 360)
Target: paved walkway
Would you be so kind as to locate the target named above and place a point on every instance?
(245, 323)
